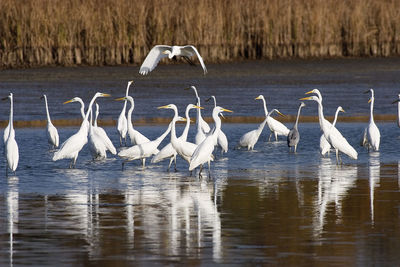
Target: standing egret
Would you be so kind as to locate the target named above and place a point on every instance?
(276, 127)
(122, 124)
(102, 133)
(398, 110)
(78, 99)
(221, 140)
(331, 134)
(11, 146)
(372, 136)
(96, 145)
(293, 137)
(201, 125)
(74, 144)
(161, 51)
(169, 150)
(324, 146)
(203, 152)
(7, 129)
(52, 133)
(249, 139)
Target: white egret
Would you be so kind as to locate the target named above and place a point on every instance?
(79, 100)
(324, 146)
(102, 133)
(182, 145)
(221, 140)
(122, 124)
(276, 127)
(372, 136)
(74, 144)
(398, 110)
(249, 139)
(201, 124)
(331, 134)
(161, 51)
(293, 137)
(203, 152)
(52, 133)
(7, 129)
(11, 146)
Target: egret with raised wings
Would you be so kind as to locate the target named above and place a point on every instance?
(161, 51)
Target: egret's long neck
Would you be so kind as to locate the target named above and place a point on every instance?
(82, 108)
(265, 107)
(336, 116)
(297, 118)
(173, 130)
(47, 110)
(161, 138)
(130, 126)
(215, 101)
(11, 115)
(199, 118)
(217, 121)
(97, 114)
(187, 126)
(126, 94)
(261, 127)
(321, 117)
(371, 110)
(89, 108)
(398, 113)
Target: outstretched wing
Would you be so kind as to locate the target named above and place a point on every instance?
(189, 50)
(152, 59)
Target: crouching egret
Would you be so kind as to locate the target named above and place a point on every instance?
(276, 127)
(52, 133)
(293, 137)
(203, 152)
(161, 51)
(11, 146)
(372, 136)
(324, 146)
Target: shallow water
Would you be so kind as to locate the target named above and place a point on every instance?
(265, 206)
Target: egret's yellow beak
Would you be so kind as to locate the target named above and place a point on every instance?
(366, 92)
(342, 110)
(280, 113)
(198, 107)
(69, 101)
(105, 95)
(120, 99)
(257, 98)
(369, 101)
(305, 98)
(166, 106)
(222, 115)
(227, 110)
(309, 92)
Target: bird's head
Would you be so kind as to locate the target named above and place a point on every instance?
(169, 106)
(259, 97)
(314, 91)
(191, 106)
(302, 104)
(43, 97)
(75, 99)
(169, 53)
(315, 98)
(341, 109)
(277, 111)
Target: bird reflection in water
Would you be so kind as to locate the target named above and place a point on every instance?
(374, 168)
(12, 212)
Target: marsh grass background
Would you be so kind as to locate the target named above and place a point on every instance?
(113, 32)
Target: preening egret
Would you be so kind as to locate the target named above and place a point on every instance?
(122, 124)
(249, 139)
(161, 51)
(276, 127)
(203, 152)
(52, 133)
(372, 136)
(11, 146)
(201, 125)
(293, 137)
(324, 146)
(398, 110)
(182, 145)
(74, 144)
(331, 134)
(221, 140)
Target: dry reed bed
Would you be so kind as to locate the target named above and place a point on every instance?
(109, 32)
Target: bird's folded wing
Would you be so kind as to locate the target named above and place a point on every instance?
(152, 59)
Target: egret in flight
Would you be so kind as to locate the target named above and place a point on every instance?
(203, 152)
(334, 137)
(276, 127)
(324, 146)
(372, 136)
(293, 137)
(122, 124)
(11, 146)
(52, 133)
(161, 51)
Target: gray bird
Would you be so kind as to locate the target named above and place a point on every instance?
(293, 137)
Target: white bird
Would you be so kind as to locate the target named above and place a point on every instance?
(331, 134)
(293, 137)
(372, 136)
(161, 51)
(7, 129)
(52, 133)
(201, 125)
(324, 146)
(169, 151)
(79, 100)
(249, 139)
(11, 146)
(276, 127)
(222, 141)
(203, 152)
(122, 124)
(102, 133)
(96, 145)
(74, 144)
(398, 110)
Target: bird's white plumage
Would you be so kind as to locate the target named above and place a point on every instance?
(159, 52)
(372, 136)
(102, 134)
(96, 144)
(122, 124)
(202, 127)
(222, 140)
(11, 146)
(52, 133)
(293, 137)
(135, 136)
(324, 146)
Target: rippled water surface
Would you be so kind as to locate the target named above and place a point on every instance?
(266, 206)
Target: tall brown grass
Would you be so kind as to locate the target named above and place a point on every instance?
(108, 32)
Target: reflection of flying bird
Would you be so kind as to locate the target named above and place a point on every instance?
(52, 133)
(334, 137)
(161, 51)
(324, 146)
(372, 136)
(276, 127)
(293, 137)
(11, 146)
(122, 124)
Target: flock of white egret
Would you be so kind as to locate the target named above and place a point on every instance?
(206, 138)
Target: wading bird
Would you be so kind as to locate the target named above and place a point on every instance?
(11, 146)
(398, 110)
(222, 141)
(203, 152)
(334, 137)
(372, 136)
(276, 127)
(161, 51)
(122, 124)
(324, 146)
(52, 133)
(293, 137)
